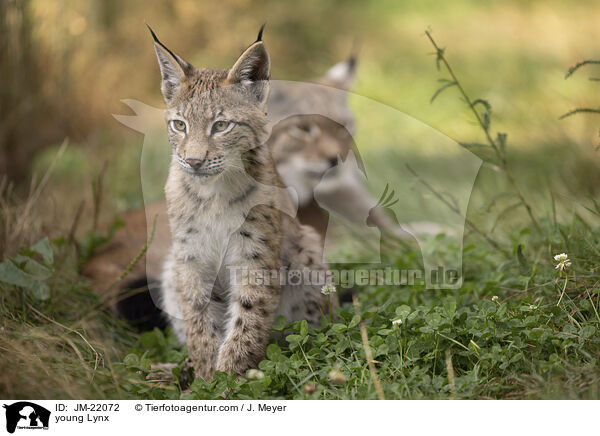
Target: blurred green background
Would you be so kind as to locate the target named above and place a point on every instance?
(65, 66)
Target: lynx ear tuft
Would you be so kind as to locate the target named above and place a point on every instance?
(341, 75)
(252, 70)
(260, 32)
(173, 69)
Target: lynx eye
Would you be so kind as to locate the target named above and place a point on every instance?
(304, 128)
(220, 126)
(301, 131)
(178, 125)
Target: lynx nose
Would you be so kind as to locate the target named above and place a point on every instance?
(195, 163)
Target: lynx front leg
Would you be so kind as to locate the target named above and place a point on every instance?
(251, 316)
(200, 319)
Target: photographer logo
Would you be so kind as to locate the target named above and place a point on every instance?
(25, 415)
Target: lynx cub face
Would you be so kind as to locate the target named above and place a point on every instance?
(213, 116)
(225, 202)
(208, 133)
(304, 148)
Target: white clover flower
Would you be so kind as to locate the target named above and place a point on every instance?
(495, 298)
(309, 387)
(337, 376)
(563, 261)
(328, 289)
(397, 321)
(256, 374)
(533, 306)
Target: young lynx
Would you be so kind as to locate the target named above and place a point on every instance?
(224, 202)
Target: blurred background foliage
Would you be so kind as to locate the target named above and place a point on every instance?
(65, 66)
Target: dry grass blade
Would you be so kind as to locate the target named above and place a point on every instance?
(99, 356)
(20, 221)
(450, 371)
(369, 355)
(37, 190)
(97, 191)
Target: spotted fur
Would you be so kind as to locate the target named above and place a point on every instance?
(228, 208)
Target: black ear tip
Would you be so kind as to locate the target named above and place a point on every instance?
(152, 33)
(260, 32)
(352, 62)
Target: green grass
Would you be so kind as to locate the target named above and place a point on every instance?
(61, 343)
